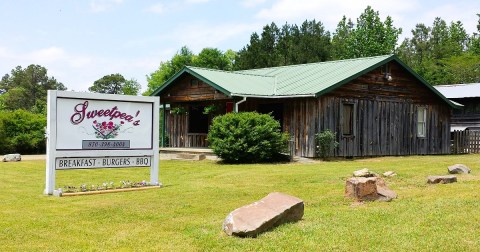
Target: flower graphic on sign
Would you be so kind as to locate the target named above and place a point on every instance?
(106, 130)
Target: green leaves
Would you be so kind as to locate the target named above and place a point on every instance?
(246, 137)
(22, 132)
(25, 88)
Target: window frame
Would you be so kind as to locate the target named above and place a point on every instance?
(352, 116)
(423, 122)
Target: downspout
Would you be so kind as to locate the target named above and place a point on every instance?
(163, 124)
(244, 99)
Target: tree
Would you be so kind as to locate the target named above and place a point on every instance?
(22, 132)
(368, 37)
(109, 84)
(208, 57)
(442, 54)
(213, 58)
(26, 88)
(286, 46)
(131, 87)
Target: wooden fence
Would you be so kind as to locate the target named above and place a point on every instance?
(465, 141)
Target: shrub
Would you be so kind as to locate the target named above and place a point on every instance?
(247, 137)
(325, 143)
(22, 132)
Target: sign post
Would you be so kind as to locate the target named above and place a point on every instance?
(86, 130)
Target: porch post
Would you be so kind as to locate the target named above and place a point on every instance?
(163, 124)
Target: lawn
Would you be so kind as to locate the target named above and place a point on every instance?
(187, 213)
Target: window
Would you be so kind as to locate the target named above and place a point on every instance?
(347, 120)
(421, 122)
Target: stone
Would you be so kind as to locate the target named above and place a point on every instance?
(361, 188)
(363, 173)
(385, 193)
(187, 156)
(458, 168)
(12, 157)
(372, 188)
(271, 211)
(389, 174)
(441, 179)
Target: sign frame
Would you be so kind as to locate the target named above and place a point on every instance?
(53, 153)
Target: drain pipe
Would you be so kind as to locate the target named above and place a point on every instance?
(244, 99)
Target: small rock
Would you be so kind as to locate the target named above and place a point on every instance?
(12, 157)
(274, 209)
(441, 179)
(363, 173)
(389, 174)
(458, 168)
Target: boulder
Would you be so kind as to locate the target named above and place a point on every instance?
(441, 179)
(274, 209)
(363, 173)
(389, 174)
(12, 157)
(372, 188)
(458, 168)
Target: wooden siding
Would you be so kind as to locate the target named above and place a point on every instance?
(380, 128)
(184, 91)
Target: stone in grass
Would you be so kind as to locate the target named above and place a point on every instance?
(441, 179)
(271, 211)
(12, 157)
(363, 173)
(389, 174)
(458, 168)
(368, 189)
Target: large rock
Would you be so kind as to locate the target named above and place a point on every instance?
(372, 188)
(250, 220)
(441, 179)
(458, 168)
(12, 157)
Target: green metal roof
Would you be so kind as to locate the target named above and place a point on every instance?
(312, 79)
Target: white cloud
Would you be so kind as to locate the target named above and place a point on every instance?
(252, 3)
(331, 12)
(158, 8)
(200, 35)
(103, 5)
(196, 1)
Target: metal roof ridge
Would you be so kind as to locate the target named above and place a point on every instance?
(228, 72)
(317, 63)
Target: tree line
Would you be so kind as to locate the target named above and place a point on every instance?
(441, 53)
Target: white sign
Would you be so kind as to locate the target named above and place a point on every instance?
(103, 162)
(86, 130)
(112, 124)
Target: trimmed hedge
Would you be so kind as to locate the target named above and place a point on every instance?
(247, 137)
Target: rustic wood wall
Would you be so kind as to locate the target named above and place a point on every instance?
(381, 128)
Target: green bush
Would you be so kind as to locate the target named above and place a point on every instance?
(247, 137)
(325, 143)
(22, 132)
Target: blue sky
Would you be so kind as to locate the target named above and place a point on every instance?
(81, 41)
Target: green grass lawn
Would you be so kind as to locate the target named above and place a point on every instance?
(188, 212)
